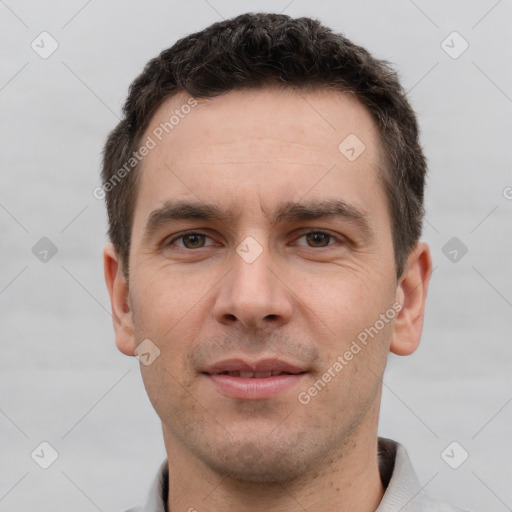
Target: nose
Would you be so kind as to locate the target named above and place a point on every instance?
(252, 295)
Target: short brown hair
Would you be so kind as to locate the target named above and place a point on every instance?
(253, 51)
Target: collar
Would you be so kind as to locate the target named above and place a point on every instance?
(403, 491)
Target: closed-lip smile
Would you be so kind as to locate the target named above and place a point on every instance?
(253, 380)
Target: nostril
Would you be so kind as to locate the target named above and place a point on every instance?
(271, 317)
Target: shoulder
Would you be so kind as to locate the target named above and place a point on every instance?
(404, 492)
(428, 504)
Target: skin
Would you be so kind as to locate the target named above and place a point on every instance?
(304, 299)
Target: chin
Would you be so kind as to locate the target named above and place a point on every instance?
(264, 457)
(252, 463)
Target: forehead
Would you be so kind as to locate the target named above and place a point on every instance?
(319, 118)
(255, 147)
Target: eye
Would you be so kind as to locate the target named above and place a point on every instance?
(190, 240)
(317, 239)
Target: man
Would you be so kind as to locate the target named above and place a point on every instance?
(265, 199)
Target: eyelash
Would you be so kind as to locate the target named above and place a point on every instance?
(182, 235)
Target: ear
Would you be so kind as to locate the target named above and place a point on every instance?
(122, 313)
(412, 293)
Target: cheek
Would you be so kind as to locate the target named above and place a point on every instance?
(343, 303)
(167, 391)
(344, 319)
(163, 296)
(350, 377)
(171, 311)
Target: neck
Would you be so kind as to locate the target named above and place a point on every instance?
(347, 480)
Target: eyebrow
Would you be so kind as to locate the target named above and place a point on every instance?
(183, 210)
(334, 208)
(288, 211)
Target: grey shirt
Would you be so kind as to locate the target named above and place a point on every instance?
(403, 490)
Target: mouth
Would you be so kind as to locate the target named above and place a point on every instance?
(255, 375)
(258, 380)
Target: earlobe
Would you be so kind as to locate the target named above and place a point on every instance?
(122, 314)
(412, 293)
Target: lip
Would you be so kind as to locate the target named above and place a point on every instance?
(253, 388)
(263, 365)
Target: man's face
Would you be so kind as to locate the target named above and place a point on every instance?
(272, 285)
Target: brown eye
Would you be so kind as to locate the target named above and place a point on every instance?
(318, 239)
(193, 240)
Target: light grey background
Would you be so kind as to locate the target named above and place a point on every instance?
(61, 378)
